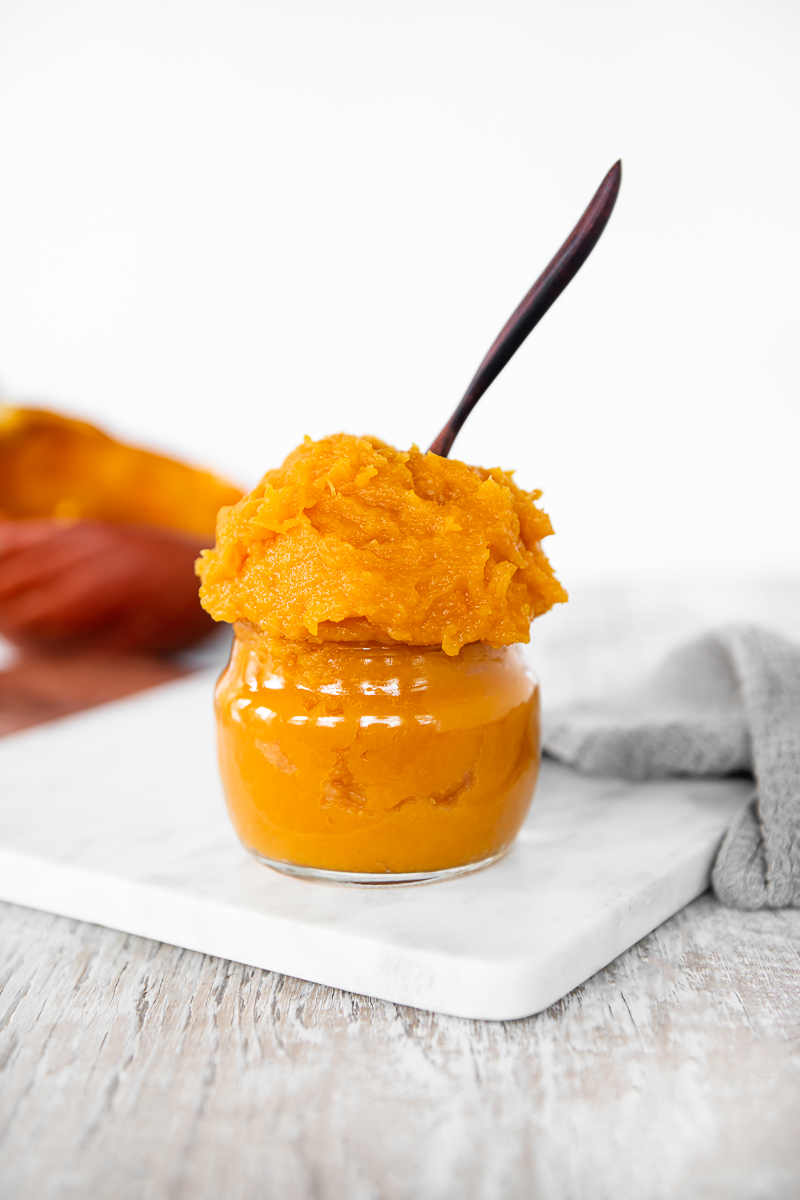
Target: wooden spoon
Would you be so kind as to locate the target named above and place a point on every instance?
(548, 287)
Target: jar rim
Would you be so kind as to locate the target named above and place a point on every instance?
(247, 629)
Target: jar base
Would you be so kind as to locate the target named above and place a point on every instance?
(374, 878)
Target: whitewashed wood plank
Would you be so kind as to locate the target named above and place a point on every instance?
(132, 1069)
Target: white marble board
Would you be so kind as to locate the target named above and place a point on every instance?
(116, 816)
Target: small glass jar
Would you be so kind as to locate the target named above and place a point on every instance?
(376, 763)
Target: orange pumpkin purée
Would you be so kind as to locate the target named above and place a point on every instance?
(375, 715)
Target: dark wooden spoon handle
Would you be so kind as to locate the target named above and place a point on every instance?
(548, 287)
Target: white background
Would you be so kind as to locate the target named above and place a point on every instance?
(228, 223)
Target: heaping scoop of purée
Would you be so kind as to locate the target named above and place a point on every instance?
(351, 540)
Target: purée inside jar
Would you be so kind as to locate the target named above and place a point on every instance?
(375, 760)
(376, 721)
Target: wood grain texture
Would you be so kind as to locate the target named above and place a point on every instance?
(39, 687)
(137, 1071)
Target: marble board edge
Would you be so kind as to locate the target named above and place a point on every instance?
(461, 987)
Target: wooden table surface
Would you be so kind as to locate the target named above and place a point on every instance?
(138, 1071)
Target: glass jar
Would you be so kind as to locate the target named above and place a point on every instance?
(376, 763)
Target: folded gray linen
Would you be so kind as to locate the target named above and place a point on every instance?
(728, 702)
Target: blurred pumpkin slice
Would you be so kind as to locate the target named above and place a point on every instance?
(98, 539)
(53, 466)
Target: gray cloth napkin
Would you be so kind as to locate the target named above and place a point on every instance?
(728, 702)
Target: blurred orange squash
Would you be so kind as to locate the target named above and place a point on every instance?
(98, 538)
(53, 466)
